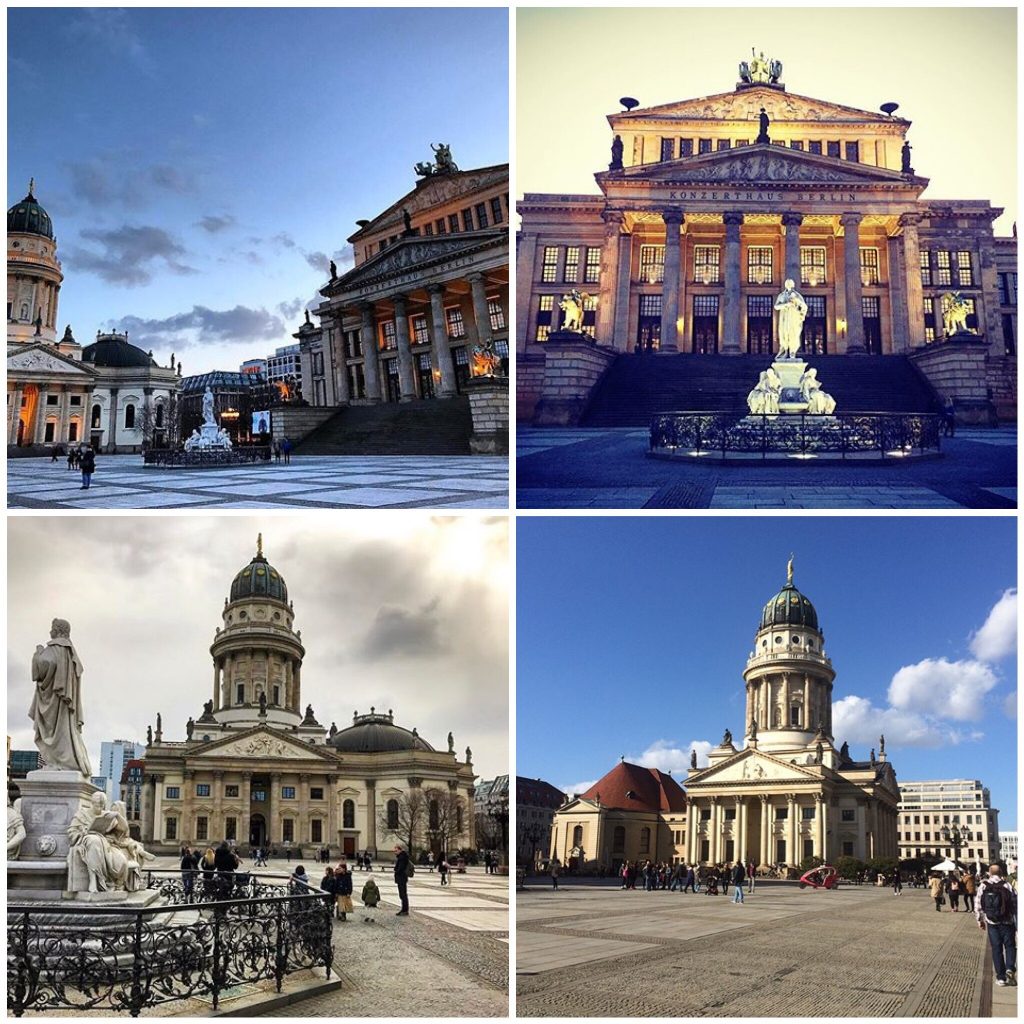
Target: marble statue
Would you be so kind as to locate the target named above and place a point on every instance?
(190, 728)
(693, 758)
(207, 709)
(334, 271)
(406, 221)
(792, 311)
(881, 744)
(263, 703)
(333, 731)
(764, 398)
(15, 829)
(905, 154)
(616, 164)
(744, 71)
(819, 752)
(103, 857)
(56, 707)
(208, 406)
(774, 70)
(844, 751)
(753, 728)
(954, 314)
(451, 744)
(726, 738)
(208, 436)
(469, 756)
(762, 135)
(572, 306)
(819, 403)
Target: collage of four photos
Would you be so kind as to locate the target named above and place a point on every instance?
(583, 512)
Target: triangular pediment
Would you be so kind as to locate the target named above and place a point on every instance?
(260, 743)
(765, 163)
(43, 359)
(750, 766)
(745, 105)
(436, 190)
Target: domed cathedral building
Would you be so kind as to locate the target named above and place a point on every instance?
(111, 394)
(258, 769)
(788, 793)
(706, 207)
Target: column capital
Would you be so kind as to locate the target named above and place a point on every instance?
(477, 275)
(612, 218)
(435, 289)
(792, 220)
(851, 220)
(672, 217)
(398, 299)
(733, 218)
(910, 220)
(366, 306)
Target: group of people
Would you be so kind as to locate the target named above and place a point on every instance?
(81, 457)
(283, 448)
(952, 887)
(338, 883)
(712, 879)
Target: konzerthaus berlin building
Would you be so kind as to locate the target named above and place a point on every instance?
(429, 284)
(708, 205)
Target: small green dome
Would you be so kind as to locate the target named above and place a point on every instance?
(789, 608)
(29, 218)
(259, 579)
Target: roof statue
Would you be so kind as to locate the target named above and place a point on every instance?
(789, 571)
(443, 164)
(616, 164)
(259, 545)
(693, 758)
(760, 70)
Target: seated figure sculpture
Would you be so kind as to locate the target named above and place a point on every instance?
(819, 403)
(103, 857)
(764, 398)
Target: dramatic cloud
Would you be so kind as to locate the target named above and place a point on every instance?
(663, 755)
(214, 223)
(946, 689)
(997, 638)
(126, 254)
(317, 260)
(576, 788)
(856, 720)
(113, 179)
(201, 324)
(401, 633)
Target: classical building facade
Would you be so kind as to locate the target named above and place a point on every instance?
(258, 769)
(708, 205)
(429, 285)
(632, 813)
(926, 808)
(536, 803)
(1008, 850)
(110, 394)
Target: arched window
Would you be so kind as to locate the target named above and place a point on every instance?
(392, 814)
(160, 414)
(577, 836)
(348, 814)
(129, 417)
(645, 840)
(619, 839)
(434, 815)
(97, 414)
(458, 820)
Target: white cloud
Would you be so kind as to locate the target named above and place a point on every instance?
(663, 755)
(576, 788)
(856, 720)
(943, 688)
(997, 638)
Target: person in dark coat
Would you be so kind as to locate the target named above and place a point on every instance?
(402, 879)
(739, 876)
(88, 464)
(189, 865)
(343, 892)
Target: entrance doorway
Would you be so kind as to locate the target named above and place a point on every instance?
(815, 337)
(426, 375)
(348, 846)
(391, 385)
(648, 328)
(257, 831)
(759, 325)
(872, 325)
(705, 324)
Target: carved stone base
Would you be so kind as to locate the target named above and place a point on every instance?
(790, 371)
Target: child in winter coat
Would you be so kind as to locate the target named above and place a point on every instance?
(343, 891)
(370, 897)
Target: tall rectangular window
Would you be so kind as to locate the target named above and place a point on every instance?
(428, 229)
(456, 325)
(589, 314)
(964, 271)
(706, 266)
(592, 271)
(814, 147)
(231, 828)
(1007, 289)
(723, 144)
(453, 223)
(420, 333)
(572, 264)
(545, 310)
(1009, 340)
(549, 268)
(496, 213)
(686, 147)
(667, 147)
(316, 831)
(812, 265)
(832, 148)
(388, 337)
(759, 264)
(704, 146)
(943, 267)
(170, 828)
(439, 226)
(853, 152)
(481, 215)
(869, 266)
(796, 144)
(288, 830)
(652, 263)
(496, 315)
(467, 219)
(202, 828)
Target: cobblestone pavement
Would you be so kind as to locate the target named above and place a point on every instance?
(576, 468)
(397, 481)
(855, 952)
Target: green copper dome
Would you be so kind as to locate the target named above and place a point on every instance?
(29, 218)
(259, 579)
(789, 607)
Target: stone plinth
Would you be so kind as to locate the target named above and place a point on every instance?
(572, 367)
(529, 382)
(790, 372)
(957, 368)
(488, 404)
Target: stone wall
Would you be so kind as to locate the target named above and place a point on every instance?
(488, 404)
(572, 369)
(1002, 386)
(295, 422)
(957, 369)
(529, 381)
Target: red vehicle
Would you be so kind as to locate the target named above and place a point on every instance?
(824, 877)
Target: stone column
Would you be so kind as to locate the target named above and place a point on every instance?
(670, 289)
(787, 698)
(824, 829)
(912, 271)
(851, 273)
(64, 418)
(737, 831)
(371, 816)
(691, 811)
(791, 222)
(442, 350)
(808, 722)
(157, 831)
(368, 342)
(216, 684)
(526, 261)
(716, 831)
(303, 830)
(793, 831)
(188, 789)
(216, 831)
(607, 296)
(406, 371)
(731, 342)
(339, 392)
(819, 838)
(39, 430)
(245, 820)
(332, 810)
(480, 314)
(766, 830)
(147, 415)
(112, 436)
(619, 337)
(744, 822)
(12, 434)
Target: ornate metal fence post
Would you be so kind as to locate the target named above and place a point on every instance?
(21, 984)
(218, 977)
(136, 1000)
(280, 954)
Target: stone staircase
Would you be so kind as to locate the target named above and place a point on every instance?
(635, 388)
(428, 427)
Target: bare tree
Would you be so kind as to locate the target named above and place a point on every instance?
(405, 818)
(159, 430)
(446, 816)
(488, 832)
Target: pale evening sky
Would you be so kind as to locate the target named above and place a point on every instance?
(952, 70)
(397, 610)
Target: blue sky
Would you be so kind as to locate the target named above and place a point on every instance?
(633, 634)
(201, 166)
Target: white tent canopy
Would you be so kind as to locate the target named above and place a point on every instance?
(944, 865)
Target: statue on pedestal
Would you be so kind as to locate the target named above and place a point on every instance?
(762, 135)
(616, 164)
(819, 403)
(103, 856)
(693, 757)
(764, 398)
(572, 306)
(15, 829)
(56, 707)
(792, 310)
(451, 744)
(727, 738)
(954, 314)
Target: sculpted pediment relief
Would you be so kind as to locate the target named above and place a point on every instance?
(261, 745)
(751, 766)
(38, 360)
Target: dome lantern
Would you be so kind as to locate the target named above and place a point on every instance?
(259, 579)
(28, 217)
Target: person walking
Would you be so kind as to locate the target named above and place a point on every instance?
(442, 869)
(404, 870)
(949, 416)
(935, 887)
(286, 448)
(691, 880)
(88, 464)
(897, 883)
(996, 911)
(370, 897)
(751, 874)
(555, 869)
(328, 884)
(189, 864)
(738, 878)
(343, 891)
(953, 888)
(969, 888)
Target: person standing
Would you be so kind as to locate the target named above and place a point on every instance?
(935, 887)
(691, 880)
(370, 898)
(555, 869)
(996, 910)
(189, 864)
(738, 878)
(88, 464)
(403, 870)
(343, 891)
(897, 882)
(751, 873)
(969, 888)
(953, 888)
(442, 868)
(286, 447)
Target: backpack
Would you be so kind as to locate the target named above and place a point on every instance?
(996, 903)
(409, 869)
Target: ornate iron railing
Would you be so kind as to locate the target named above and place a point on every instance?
(855, 434)
(110, 959)
(200, 459)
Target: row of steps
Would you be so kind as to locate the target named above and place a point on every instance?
(430, 427)
(637, 387)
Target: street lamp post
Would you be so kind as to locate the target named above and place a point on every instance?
(533, 834)
(497, 810)
(956, 838)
